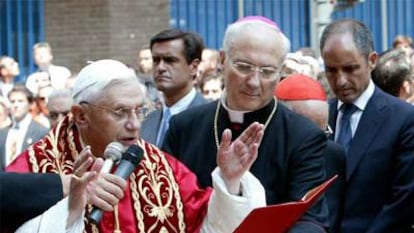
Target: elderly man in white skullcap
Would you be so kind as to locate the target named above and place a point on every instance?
(161, 194)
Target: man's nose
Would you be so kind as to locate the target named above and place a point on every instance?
(254, 79)
(161, 66)
(341, 79)
(133, 122)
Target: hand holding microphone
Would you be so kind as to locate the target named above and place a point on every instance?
(112, 154)
(130, 159)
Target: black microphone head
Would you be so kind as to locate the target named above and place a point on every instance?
(114, 151)
(134, 154)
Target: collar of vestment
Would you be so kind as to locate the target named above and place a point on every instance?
(263, 115)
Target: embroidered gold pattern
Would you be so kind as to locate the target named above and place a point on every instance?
(157, 189)
(53, 160)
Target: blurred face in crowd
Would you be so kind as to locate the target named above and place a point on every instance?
(19, 105)
(212, 89)
(145, 61)
(347, 70)
(58, 108)
(10, 67)
(115, 116)
(406, 47)
(4, 113)
(172, 74)
(42, 57)
(247, 89)
(209, 61)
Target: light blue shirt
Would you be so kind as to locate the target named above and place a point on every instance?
(176, 108)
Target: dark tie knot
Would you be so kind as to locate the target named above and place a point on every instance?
(348, 110)
(16, 126)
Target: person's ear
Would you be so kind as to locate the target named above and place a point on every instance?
(222, 57)
(405, 89)
(372, 60)
(194, 67)
(79, 114)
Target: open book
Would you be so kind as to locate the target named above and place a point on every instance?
(281, 217)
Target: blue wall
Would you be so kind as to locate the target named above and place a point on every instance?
(21, 26)
(210, 18)
(399, 19)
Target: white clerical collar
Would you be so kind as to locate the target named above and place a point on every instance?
(183, 103)
(234, 115)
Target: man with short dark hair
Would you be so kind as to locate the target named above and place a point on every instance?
(176, 55)
(24, 131)
(376, 130)
(394, 75)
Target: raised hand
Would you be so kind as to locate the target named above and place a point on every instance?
(78, 183)
(235, 158)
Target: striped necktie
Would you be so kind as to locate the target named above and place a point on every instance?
(345, 132)
(164, 126)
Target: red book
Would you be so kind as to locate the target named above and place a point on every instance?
(281, 217)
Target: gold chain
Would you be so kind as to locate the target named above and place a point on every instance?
(216, 117)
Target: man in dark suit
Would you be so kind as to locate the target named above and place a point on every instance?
(24, 131)
(290, 160)
(176, 55)
(378, 135)
(21, 203)
(17, 189)
(306, 96)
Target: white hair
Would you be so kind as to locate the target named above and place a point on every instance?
(98, 75)
(234, 30)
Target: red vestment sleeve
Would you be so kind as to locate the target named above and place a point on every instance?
(20, 164)
(194, 198)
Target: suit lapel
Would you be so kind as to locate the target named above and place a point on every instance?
(28, 137)
(198, 99)
(368, 127)
(3, 136)
(156, 122)
(333, 113)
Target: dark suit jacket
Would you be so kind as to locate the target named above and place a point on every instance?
(290, 160)
(24, 196)
(380, 168)
(335, 164)
(35, 132)
(151, 124)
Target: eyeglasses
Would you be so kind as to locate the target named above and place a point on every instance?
(267, 72)
(122, 113)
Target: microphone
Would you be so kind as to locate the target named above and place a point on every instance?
(112, 153)
(130, 159)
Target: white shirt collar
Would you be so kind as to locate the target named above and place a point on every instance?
(362, 101)
(25, 122)
(183, 103)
